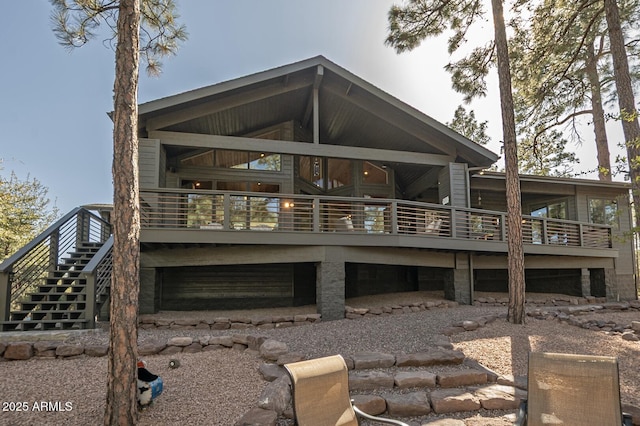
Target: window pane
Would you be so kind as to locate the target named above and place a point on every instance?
(311, 170)
(339, 173)
(263, 161)
(603, 211)
(374, 174)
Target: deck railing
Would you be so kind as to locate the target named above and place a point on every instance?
(241, 211)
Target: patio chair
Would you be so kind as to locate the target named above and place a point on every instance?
(566, 389)
(320, 389)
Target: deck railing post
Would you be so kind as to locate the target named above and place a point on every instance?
(454, 225)
(316, 215)
(54, 249)
(5, 295)
(394, 218)
(90, 303)
(545, 232)
(226, 209)
(580, 235)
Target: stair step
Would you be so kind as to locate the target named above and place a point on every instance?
(57, 297)
(51, 324)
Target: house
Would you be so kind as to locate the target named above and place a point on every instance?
(306, 184)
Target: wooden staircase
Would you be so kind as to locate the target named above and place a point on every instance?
(60, 303)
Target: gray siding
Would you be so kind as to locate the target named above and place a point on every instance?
(454, 184)
(149, 163)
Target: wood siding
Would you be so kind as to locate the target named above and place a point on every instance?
(150, 162)
(227, 287)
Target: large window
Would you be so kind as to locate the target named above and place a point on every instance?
(228, 159)
(339, 173)
(603, 211)
(373, 174)
(557, 210)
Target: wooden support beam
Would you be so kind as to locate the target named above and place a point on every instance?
(299, 148)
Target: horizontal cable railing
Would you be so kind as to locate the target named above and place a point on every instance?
(256, 211)
(229, 211)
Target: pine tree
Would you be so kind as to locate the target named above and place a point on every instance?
(75, 23)
(409, 25)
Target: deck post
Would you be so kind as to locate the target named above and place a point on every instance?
(458, 284)
(5, 295)
(90, 303)
(585, 281)
(330, 289)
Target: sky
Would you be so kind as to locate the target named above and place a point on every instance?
(54, 102)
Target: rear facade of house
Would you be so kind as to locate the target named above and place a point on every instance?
(305, 184)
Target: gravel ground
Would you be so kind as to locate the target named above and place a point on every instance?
(218, 387)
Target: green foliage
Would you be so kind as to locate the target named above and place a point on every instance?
(75, 22)
(25, 211)
(545, 154)
(468, 126)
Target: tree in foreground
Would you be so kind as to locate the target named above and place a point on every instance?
(75, 22)
(25, 211)
(409, 25)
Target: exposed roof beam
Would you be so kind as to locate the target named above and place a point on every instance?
(392, 116)
(186, 114)
(299, 148)
(316, 85)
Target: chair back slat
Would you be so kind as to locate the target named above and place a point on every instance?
(321, 392)
(573, 390)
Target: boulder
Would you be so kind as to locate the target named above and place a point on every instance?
(271, 372)
(226, 341)
(44, 348)
(276, 396)
(192, 348)
(271, 349)
(18, 351)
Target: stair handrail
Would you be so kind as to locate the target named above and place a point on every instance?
(97, 274)
(46, 249)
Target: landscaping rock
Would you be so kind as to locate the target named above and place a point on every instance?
(411, 379)
(258, 417)
(192, 348)
(408, 404)
(499, 397)
(453, 379)
(271, 349)
(437, 356)
(45, 348)
(289, 358)
(271, 372)
(180, 341)
(96, 350)
(69, 350)
(276, 395)
(454, 400)
(370, 380)
(151, 348)
(226, 341)
(370, 404)
(364, 360)
(18, 351)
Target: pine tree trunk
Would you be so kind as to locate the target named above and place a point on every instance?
(516, 312)
(602, 144)
(121, 407)
(626, 101)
